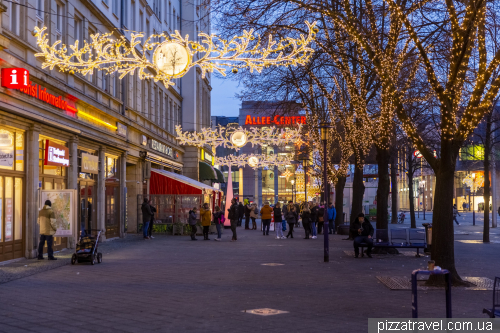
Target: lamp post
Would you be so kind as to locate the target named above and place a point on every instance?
(324, 137)
(304, 164)
(293, 183)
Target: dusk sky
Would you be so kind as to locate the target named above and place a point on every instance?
(224, 103)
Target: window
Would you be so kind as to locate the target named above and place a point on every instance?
(14, 17)
(141, 21)
(39, 9)
(169, 18)
(125, 13)
(79, 30)
(59, 19)
(133, 23)
(116, 85)
(178, 23)
(105, 81)
(147, 27)
(116, 7)
(173, 20)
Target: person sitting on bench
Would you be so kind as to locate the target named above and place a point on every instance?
(364, 231)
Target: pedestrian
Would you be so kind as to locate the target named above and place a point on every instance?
(192, 223)
(266, 217)
(206, 220)
(291, 218)
(152, 221)
(314, 219)
(48, 228)
(218, 221)
(233, 217)
(332, 214)
(363, 230)
(455, 213)
(498, 210)
(248, 209)
(321, 217)
(241, 213)
(278, 221)
(147, 215)
(306, 219)
(285, 212)
(253, 215)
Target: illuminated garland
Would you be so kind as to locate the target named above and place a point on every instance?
(254, 161)
(222, 136)
(175, 53)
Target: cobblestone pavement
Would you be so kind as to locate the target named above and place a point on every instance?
(172, 284)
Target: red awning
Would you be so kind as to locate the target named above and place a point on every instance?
(165, 182)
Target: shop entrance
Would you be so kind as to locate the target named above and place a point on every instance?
(87, 209)
(112, 225)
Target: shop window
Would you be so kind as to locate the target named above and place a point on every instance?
(85, 175)
(18, 208)
(11, 155)
(110, 167)
(48, 169)
(8, 208)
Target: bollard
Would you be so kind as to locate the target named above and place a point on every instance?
(473, 217)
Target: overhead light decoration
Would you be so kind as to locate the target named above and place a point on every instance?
(237, 137)
(254, 161)
(287, 174)
(173, 56)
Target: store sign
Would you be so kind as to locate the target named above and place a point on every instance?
(121, 129)
(208, 157)
(56, 155)
(90, 163)
(18, 78)
(158, 146)
(276, 120)
(15, 78)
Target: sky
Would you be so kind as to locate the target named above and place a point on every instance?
(224, 102)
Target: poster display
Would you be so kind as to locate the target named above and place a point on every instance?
(64, 206)
(8, 219)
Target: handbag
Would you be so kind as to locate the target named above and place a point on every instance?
(320, 219)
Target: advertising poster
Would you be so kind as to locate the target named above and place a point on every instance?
(8, 219)
(63, 204)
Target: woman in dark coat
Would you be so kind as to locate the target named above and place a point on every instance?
(306, 220)
(291, 218)
(277, 221)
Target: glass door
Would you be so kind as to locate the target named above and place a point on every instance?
(87, 209)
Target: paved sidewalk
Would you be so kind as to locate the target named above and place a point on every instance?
(172, 284)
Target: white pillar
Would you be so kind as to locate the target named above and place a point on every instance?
(32, 229)
(73, 184)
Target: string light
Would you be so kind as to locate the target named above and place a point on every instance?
(174, 55)
(255, 161)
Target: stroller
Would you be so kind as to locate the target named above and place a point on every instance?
(86, 248)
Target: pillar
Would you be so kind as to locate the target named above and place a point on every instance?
(100, 193)
(73, 185)
(240, 182)
(123, 194)
(276, 188)
(32, 191)
(494, 203)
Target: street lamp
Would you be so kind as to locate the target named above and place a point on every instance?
(293, 182)
(324, 127)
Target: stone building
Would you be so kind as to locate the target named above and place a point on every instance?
(97, 134)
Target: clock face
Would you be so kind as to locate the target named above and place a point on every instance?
(253, 161)
(239, 139)
(172, 58)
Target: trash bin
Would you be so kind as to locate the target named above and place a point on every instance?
(428, 236)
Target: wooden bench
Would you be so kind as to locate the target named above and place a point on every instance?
(399, 238)
(494, 312)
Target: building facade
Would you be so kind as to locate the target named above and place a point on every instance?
(96, 134)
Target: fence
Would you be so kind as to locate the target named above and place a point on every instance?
(170, 210)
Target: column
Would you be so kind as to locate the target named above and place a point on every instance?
(100, 192)
(32, 191)
(240, 186)
(123, 194)
(73, 184)
(494, 203)
(276, 188)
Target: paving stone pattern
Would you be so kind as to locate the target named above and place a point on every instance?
(172, 284)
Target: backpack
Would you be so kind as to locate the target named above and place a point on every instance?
(222, 219)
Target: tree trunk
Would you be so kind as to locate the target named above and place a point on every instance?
(486, 161)
(410, 190)
(443, 239)
(339, 201)
(383, 159)
(358, 190)
(394, 187)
